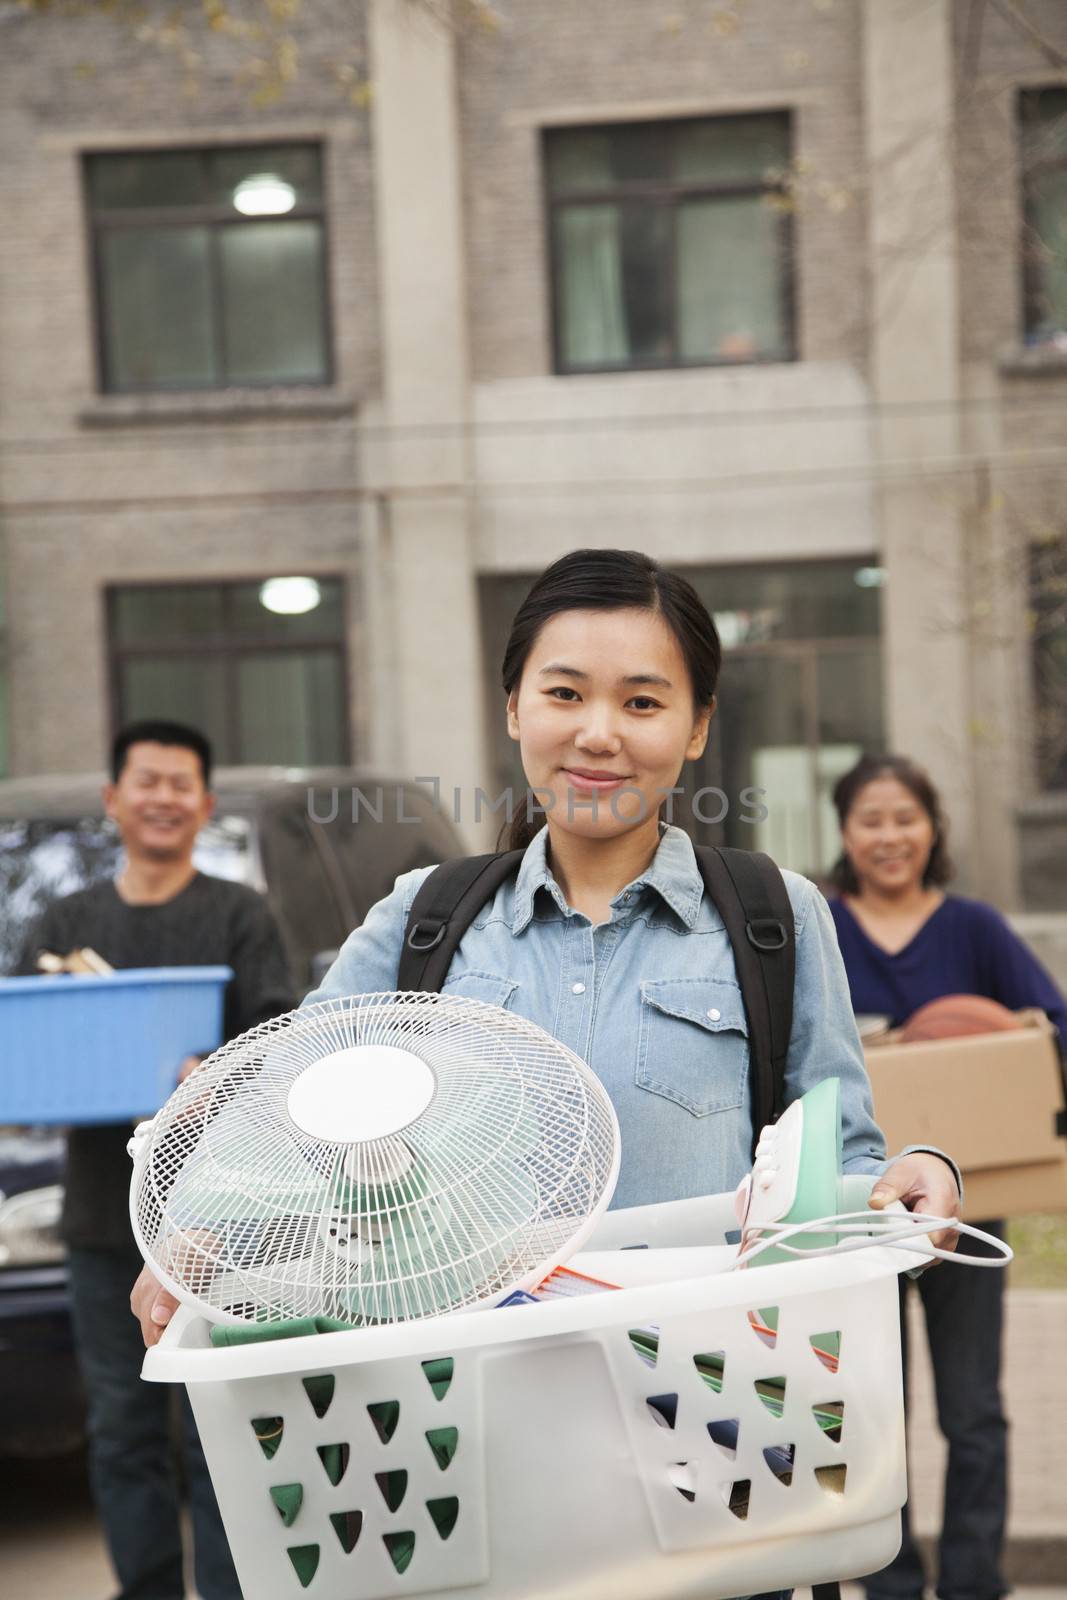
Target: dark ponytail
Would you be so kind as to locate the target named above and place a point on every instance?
(610, 580)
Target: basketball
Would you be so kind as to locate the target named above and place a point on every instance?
(956, 1015)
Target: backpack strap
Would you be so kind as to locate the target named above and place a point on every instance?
(442, 911)
(826, 1591)
(745, 886)
(750, 894)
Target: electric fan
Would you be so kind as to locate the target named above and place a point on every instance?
(373, 1159)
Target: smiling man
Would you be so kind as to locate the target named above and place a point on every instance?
(159, 912)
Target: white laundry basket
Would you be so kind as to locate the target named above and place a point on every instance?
(518, 1449)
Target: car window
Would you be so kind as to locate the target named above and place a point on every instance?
(42, 859)
(225, 849)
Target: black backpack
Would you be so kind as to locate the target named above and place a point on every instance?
(748, 892)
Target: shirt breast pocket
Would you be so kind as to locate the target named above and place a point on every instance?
(693, 1043)
(491, 987)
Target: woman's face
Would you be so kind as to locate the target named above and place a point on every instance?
(604, 718)
(888, 836)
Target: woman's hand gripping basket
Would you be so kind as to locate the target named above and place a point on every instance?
(697, 1431)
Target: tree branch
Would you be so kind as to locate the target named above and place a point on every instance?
(1016, 18)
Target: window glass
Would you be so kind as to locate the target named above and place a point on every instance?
(40, 861)
(849, 704)
(638, 154)
(849, 691)
(731, 150)
(224, 849)
(579, 159)
(157, 319)
(250, 617)
(1048, 219)
(188, 689)
(613, 293)
(272, 302)
(1044, 125)
(166, 611)
(758, 605)
(148, 181)
(1048, 613)
(763, 732)
(300, 166)
(291, 707)
(729, 281)
(1043, 142)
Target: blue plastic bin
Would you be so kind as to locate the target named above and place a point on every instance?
(89, 1049)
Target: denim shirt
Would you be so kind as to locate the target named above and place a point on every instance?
(650, 999)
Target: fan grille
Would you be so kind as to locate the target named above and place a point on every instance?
(502, 1174)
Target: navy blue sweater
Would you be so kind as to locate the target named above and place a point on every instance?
(964, 947)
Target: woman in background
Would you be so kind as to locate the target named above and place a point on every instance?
(905, 941)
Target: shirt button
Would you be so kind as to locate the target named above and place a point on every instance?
(577, 988)
(627, 897)
(714, 1014)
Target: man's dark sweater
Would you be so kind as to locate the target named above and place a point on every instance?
(209, 923)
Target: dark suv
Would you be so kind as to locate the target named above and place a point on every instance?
(323, 845)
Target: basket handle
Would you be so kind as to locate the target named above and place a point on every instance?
(173, 1335)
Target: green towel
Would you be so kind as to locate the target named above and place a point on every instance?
(288, 1497)
(260, 1332)
(401, 1547)
(444, 1443)
(439, 1375)
(305, 1559)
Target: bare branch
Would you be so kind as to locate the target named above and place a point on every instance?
(1014, 15)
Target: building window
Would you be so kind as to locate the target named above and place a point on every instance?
(266, 685)
(671, 243)
(1044, 162)
(800, 700)
(1048, 620)
(210, 267)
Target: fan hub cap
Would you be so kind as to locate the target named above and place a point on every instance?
(367, 1091)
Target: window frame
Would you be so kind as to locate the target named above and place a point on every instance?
(214, 218)
(1031, 277)
(670, 194)
(228, 645)
(1046, 576)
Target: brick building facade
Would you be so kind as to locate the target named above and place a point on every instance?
(860, 513)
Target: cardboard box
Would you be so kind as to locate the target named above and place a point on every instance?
(993, 1101)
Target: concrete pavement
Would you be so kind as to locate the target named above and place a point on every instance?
(1035, 1392)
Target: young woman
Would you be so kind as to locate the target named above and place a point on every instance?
(905, 942)
(606, 938)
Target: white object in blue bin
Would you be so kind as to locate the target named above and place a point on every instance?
(103, 1049)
